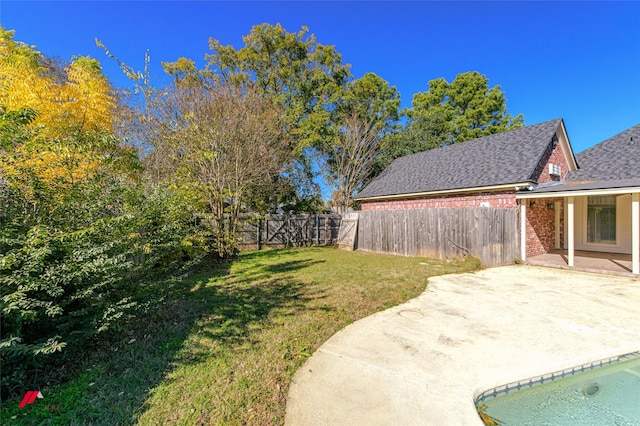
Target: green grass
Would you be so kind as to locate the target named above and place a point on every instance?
(221, 345)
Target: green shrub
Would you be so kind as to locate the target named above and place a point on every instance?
(69, 264)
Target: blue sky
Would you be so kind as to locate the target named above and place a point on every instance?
(575, 60)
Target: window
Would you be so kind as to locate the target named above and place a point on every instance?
(601, 219)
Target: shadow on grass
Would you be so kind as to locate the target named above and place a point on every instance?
(221, 307)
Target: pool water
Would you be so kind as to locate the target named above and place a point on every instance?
(606, 395)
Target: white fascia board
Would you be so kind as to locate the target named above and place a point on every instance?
(579, 193)
(565, 145)
(511, 186)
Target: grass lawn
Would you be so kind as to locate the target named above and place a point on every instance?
(224, 343)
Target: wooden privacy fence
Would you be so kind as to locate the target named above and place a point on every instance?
(488, 233)
(287, 230)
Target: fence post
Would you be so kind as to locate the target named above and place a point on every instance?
(326, 221)
(287, 228)
(317, 230)
(258, 234)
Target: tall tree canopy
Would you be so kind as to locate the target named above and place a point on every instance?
(68, 97)
(303, 77)
(470, 108)
(465, 109)
(374, 98)
(71, 108)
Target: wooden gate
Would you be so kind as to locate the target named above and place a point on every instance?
(285, 230)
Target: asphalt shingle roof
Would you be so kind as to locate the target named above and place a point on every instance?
(503, 158)
(616, 158)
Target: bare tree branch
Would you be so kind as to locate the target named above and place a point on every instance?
(353, 156)
(219, 141)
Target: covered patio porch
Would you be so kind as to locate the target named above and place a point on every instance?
(568, 232)
(588, 261)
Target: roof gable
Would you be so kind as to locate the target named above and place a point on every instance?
(613, 159)
(501, 159)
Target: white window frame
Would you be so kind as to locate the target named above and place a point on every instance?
(585, 228)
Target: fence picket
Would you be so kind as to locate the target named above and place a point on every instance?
(491, 234)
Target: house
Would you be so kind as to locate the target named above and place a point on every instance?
(600, 200)
(587, 201)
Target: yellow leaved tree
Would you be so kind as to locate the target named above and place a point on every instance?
(74, 105)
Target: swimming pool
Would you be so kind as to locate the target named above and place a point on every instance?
(602, 393)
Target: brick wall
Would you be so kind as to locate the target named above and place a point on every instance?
(506, 199)
(541, 226)
(551, 156)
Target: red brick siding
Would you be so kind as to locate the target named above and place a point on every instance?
(505, 199)
(551, 156)
(541, 226)
(540, 220)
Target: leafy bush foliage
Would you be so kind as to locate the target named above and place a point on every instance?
(70, 257)
(79, 230)
(68, 271)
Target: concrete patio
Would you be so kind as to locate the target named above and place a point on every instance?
(425, 362)
(588, 261)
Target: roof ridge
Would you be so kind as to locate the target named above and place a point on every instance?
(612, 139)
(498, 159)
(458, 145)
(613, 158)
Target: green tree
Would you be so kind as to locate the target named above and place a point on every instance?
(373, 98)
(302, 79)
(367, 112)
(470, 108)
(465, 109)
(70, 257)
(420, 134)
(305, 79)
